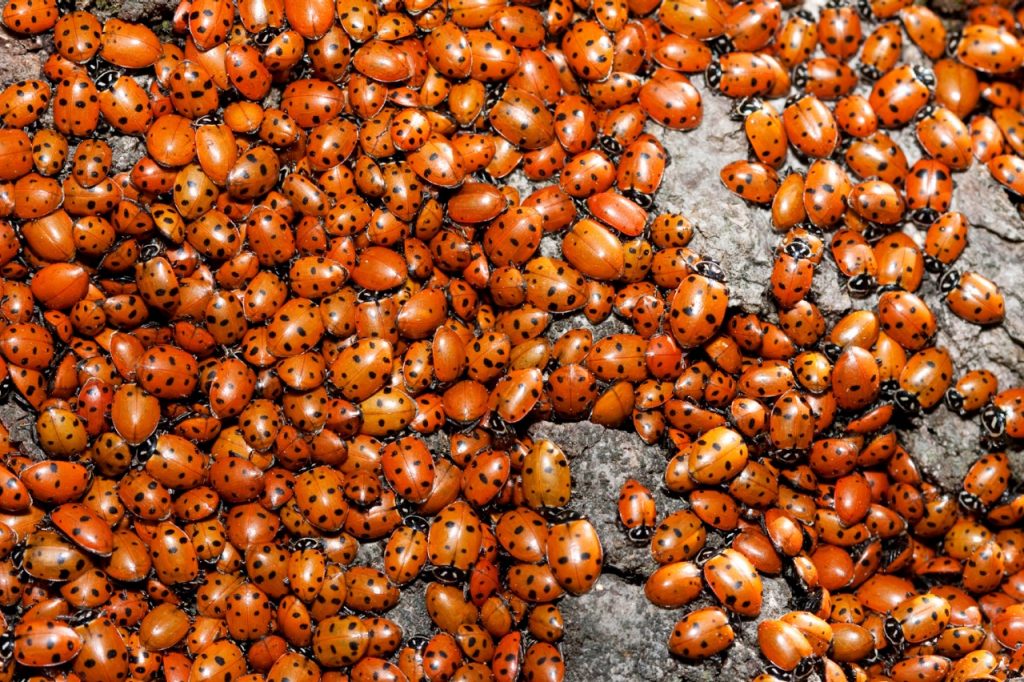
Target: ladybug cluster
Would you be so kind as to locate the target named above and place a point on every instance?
(314, 315)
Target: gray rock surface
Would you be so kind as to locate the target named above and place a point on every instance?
(613, 633)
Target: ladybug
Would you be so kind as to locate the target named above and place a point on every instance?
(898, 95)
(783, 644)
(989, 49)
(734, 582)
(792, 274)
(929, 190)
(637, 510)
(810, 127)
(753, 181)
(670, 99)
(31, 17)
(925, 30)
(972, 391)
(575, 555)
(454, 538)
(826, 185)
(924, 379)
(839, 31)
(945, 137)
(973, 297)
(44, 643)
(701, 634)
(917, 619)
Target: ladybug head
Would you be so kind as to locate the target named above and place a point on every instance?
(745, 107)
(106, 80)
(888, 388)
(893, 547)
(933, 265)
(907, 402)
(300, 544)
(894, 633)
(610, 145)
(84, 616)
(994, 421)
(640, 534)
(808, 668)
(970, 502)
(710, 268)
(953, 41)
(924, 112)
(832, 351)
(787, 456)
(925, 75)
(417, 642)
(798, 248)
(449, 575)
(799, 80)
(950, 278)
(722, 45)
(775, 673)
(870, 72)
(713, 74)
(561, 514)
(954, 400)
(416, 522)
(266, 36)
(705, 555)
(864, 9)
(208, 120)
(644, 201)
(861, 285)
